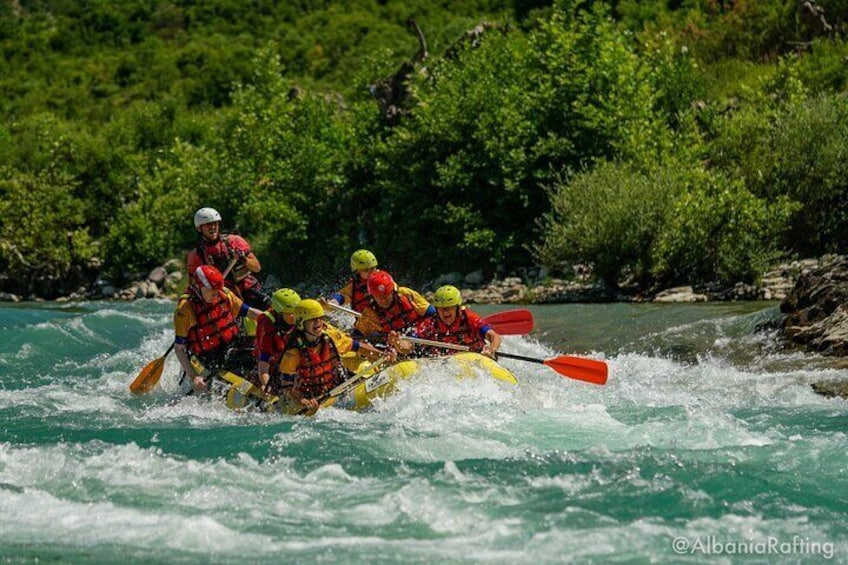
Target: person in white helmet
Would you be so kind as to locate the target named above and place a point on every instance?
(217, 249)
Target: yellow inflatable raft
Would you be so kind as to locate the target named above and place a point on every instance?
(369, 383)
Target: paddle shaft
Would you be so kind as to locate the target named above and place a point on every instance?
(422, 341)
(521, 358)
(344, 309)
(348, 384)
(466, 348)
(229, 268)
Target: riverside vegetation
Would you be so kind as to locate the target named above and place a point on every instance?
(662, 143)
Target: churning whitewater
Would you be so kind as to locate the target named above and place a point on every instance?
(707, 442)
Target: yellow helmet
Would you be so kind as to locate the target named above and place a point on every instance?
(285, 301)
(362, 259)
(307, 309)
(447, 296)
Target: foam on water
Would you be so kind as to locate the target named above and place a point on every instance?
(721, 435)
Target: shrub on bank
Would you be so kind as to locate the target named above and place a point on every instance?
(718, 231)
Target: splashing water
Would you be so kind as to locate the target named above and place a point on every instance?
(707, 432)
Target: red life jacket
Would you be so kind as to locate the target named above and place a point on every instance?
(320, 368)
(215, 325)
(283, 332)
(359, 297)
(459, 332)
(213, 254)
(399, 316)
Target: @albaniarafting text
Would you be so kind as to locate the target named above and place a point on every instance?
(711, 545)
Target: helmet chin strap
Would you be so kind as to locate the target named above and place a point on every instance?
(311, 337)
(453, 316)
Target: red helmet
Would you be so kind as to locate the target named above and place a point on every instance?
(207, 276)
(381, 283)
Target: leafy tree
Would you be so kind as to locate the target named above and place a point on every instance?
(782, 144)
(43, 240)
(611, 216)
(719, 232)
(131, 115)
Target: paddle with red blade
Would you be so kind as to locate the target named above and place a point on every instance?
(511, 322)
(508, 322)
(578, 368)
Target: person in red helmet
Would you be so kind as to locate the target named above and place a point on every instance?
(217, 249)
(206, 324)
(394, 309)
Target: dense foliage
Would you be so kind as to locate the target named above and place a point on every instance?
(663, 142)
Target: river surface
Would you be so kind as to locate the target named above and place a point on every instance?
(707, 445)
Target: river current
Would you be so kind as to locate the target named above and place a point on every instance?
(706, 445)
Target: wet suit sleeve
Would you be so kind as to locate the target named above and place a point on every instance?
(423, 307)
(237, 306)
(478, 324)
(368, 323)
(289, 363)
(264, 338)
(343, 296)
(184, 320)
(344, 342)
(239, 243)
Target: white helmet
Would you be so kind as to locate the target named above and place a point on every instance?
(206, 216)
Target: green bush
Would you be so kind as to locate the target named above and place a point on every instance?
(718, 231)
(782, 144)
(824, 70)
(43, 239)
(158, 223)
(611, 216)
(809, 164)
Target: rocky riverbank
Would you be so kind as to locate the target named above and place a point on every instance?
(530, 286)
(536, 287)
(165, 281)
(816, 316)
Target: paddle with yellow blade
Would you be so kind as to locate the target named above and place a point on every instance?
(579, 368)
(149, 377)
(508, 322)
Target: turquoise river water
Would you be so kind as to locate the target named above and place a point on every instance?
(707, 445)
